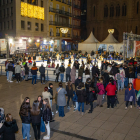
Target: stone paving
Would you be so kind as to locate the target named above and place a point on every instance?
(102, 124)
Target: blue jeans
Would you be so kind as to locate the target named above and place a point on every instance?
(26, 130)
(79, 105)
(7, 74)
(62, 76)
(120, 84)
(34, 78)
(126, 82)
(61, 111)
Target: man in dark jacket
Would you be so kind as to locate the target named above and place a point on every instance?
(62, 70)
(34, 70)
(80, 72)
(51, 91)
(68, 71)
(10, 70)
(126, 69)
(42, 73)
(94, 70)
(77, 81)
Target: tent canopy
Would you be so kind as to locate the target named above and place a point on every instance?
(90, 39)
(110, 39)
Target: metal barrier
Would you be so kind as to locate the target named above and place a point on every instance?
(49, 74)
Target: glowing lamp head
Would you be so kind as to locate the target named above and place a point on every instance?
(45, 41)
(10, 40)
(20, 40)
(38, 40)
(29, 40)
(64, 30)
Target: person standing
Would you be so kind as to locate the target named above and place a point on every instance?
(62, 70)
(61, 99)
(10, 71)
(36, 119)
(126, 69)
(17, 72)
(7, 72)
(81, 93)
(136, 84)
(25, 117)
(111, 89)
(47, 117)
(9, 128)
(129, 96)
(68, 71)
(34, 70)
(87, 72)
(42, 73)
(87, 85)
(26, 72)
(73, 74)
(57, 73)
(80, 72)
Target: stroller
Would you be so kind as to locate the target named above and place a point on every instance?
(2, 120)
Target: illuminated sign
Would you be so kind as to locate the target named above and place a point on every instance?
(28, 10)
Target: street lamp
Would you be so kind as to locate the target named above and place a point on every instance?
(64, 30)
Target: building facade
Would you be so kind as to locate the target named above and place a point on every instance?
(120, 15)
(76, 20)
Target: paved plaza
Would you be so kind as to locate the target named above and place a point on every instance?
(102, 124)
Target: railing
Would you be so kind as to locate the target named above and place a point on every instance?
(76, 6)
(58, 0)
(51, 34)
(76, 36)
(75, 16)
(62, 12)
(57, 34)
(60, 24)
(68, 35)
(63, 35)
(76, 26)
(69, 3)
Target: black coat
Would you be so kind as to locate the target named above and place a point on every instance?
(51, 91)
(26, 119)
(8, 130)
(69, 92)
(47, 115)
(81, 93)
(10, 67)
(91, 96)
(26, 70)
(36, 119)
(87, 85)
(94, 71)
(126, 72)
(77, 81)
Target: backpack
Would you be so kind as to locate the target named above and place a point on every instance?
(2, 116)
(118, 77)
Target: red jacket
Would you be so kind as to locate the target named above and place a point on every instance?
(110, 89)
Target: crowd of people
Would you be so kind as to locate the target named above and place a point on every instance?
(105, 83)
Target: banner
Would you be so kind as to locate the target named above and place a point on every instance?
(3, 45)
(44, 47)
(137, 48)
(20, 45)
(12, 47)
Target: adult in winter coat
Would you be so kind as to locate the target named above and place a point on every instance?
(87, 73)
(87, 85)
(42, 73)
(62, 70)
(9, 128)
(100, 86)
(136, 84)
(77, 81)
(126, 81)
(57, 73)
(81, 93)
(73, 74)
(80, 72)
(34, 70)
(26, 72)
(69, 90)
(25, 117)
(10, 71)
(94, 71)
(129, 96)
(111, 89)
(68, 71)
(17, 72)
(36, 119)
(61, 99)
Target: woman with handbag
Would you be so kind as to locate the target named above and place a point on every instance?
(61, 99)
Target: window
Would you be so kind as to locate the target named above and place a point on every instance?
(0, 14)
(0, 2)
(4, 25)
(22, 25)
(106, 11)
(118, 10)
(0, 25)
(11, 24)
(124, 10)
(136, 30)
(94, 11)
(93, 30)
(29, 25)
(11, 11)
(36, 26)
(42, 3)
(7, 12)
(137, 7)
(11, 1)
(3, 2)
(4, 13)
(111, 11)
(8, 25)
(42, 27)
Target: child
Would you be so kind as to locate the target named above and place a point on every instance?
(47, 116)
(129, 95)
(100, 86)
(91, 98)
(75, 98)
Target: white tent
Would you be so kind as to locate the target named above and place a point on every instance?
(89, 44)
(111, 43)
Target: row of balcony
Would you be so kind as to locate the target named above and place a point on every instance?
(62, 12)
(65, 1)
(75, 16)
(60, 24)
(76, 6)
(58, 34)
